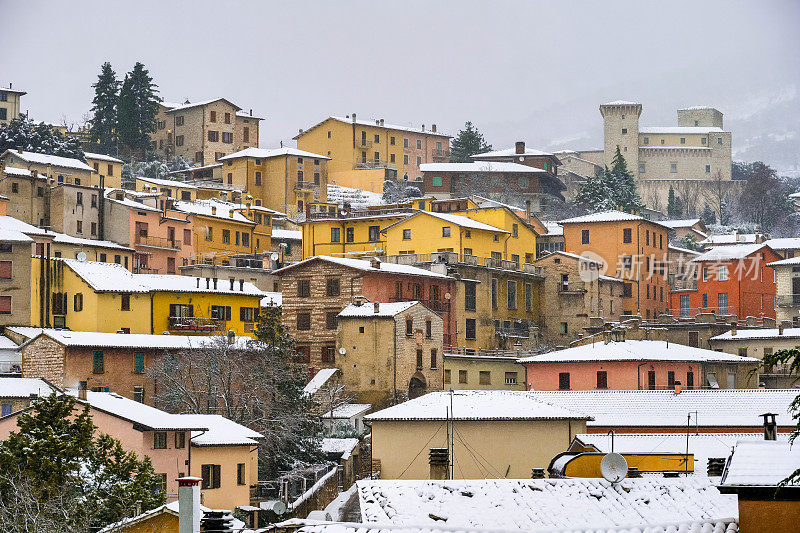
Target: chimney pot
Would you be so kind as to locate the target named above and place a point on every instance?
(677, 387)
(241, 285)
(215, 283)
(189, 512)
(733, 329)
(213, 210)
(519, 147)
(208, 283)
(770, 426)
(232, 280)
(354, 118)
(423, 127)
(376, 306)
(433, 128)
(82, 386)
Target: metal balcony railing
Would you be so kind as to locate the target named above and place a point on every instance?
(373, 163)
(363, 143)
(307, 185)
(787, 300)
(191, 323)
(441, 155)
(158, 242)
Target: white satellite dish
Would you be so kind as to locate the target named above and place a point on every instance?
(274, 256)
(81, 256)
(342, 351)
(276, 506)
(614, 467)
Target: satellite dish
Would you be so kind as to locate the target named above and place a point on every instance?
(276, 506)
(342, 351)
(614, 467)
(447, 296)
(274, 256)
(81, 256)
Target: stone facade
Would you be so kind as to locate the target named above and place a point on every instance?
(45, 358)
(787, 298)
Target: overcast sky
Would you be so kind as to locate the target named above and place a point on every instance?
(533, 71)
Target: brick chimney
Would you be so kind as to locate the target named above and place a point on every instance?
(376, 307)
(433, 128)
(677, 387)
(439, 460)
(770, 426)
(519, 147)
(189, 512)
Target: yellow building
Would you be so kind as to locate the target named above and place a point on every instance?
(262, 232)
(179, 190)
(107, 167)
(10, 101)
(350, 234)
(55, 168)
(364, 154)
(509, 430)
(104, 297)
(521, 246)
(282, 179)
(220, 230)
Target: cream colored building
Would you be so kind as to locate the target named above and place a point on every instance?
(787, 290)
(758, 343)
(388, 352)
(483, 370)
(490, 434)
(202, 132)
(10, 101)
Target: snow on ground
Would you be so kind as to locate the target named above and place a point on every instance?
(357, 198)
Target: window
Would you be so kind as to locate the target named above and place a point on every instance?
(694, 339)
(94, 200)
(227, 137)
(213, 117)
(462, 376)
(651, 379)
(5, 305)
(731, 381)
(446, 231)
(484, 377)
(220, 312)
(160, 440)
(602, 379)
(330, 319)
(349, 234)
(211, 476)
(93, 228)
(585, 236)
(722, 273)
(332, 287)
(467, 251)
(187, 236)
(512, 295)
(98, 365)
(626, 235)
(684, 303)
(247, 314)
(241, 479)
(303, 321)
(419, 359)
(419, 161)
(79, 226)
(138, 362)
(647, 140)
(406, 234)
(419, 144)
(683, 140)
(494, 293)
(708, 169)
(511, 378)
(469, 330)
(469, 296)
(77, 299)
(374, 233)
(742, 352)
(428, 329)
(213, 136)
(227, 118)
(447, 376)
(689, 379)
(329, 354)
(719, 140)
(180, 440)
(673, 168)
(627, 290)
(436, 181)
(405, 159)
(125, 302)
(304, 288)
(515, 230)
(14, 187)
(138, 394)
(563, 381)
(336, 235)
(670, 379)
(409, 327)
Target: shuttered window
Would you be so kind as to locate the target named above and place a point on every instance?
(5, 269)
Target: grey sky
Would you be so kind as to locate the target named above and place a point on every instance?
(519, 70)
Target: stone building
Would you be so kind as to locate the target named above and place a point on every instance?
(202, 132)
(573, 291)
(10, 101)
(389, 352)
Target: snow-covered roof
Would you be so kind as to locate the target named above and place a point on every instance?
(12, 225)
(621, 102)
(79, 241)
(731, 238)
(347, 410)
(133, 204)
(663, 408)
(102, 157)
(480, 166)
(476, 405)
(166, 183)
(125, 340)
(758, 333)
(702, 445)
(245, 114)
(385, 309)
(553, 228)
(680, 129)
(728, 253)
(366, 266)
(22, 172)
(634, 350)
(357, 198)
(606, 216)
(577, 504)
(319, 380)
(409, 129)
(680, 223)
(571, 256)
(458, 220)
(261, 208)
(510, 152)
(272, 299)
(180, 107)
(342, 447)
(221, 431)
(172, 508)
(139, 413)
(263, 153)
(24, 387)
(785, 243)
(785, 262)
(682, 250)
(47, 159)
(222, 210)
(287, 234)
(10, 234)
(762, 463)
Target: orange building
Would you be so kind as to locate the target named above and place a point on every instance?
(631, 248)
(731, 280)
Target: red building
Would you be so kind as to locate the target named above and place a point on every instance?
(731, 280)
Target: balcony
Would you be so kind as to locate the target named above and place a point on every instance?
(195, 324)
(517, 329)
(373, 163)
(361, 213)
(787, 300)
(157, 242)
(363, 143)
(453, 258)
(571, 287)
(441, 156)
(306, 186)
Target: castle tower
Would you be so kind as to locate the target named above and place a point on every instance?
(621, 128)
(700, 116)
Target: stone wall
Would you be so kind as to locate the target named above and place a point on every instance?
(44, 358)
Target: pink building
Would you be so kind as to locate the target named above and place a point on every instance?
(638, 365)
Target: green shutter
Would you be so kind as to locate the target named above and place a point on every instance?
(436, 181)
(138, 362)
(98, 362)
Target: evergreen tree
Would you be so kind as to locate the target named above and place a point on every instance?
(595, 193)
(23, 134)
(708, 216)
(672, 204)
(136, 110)
(611, 189)
(468, 142)
(399, 190)
(103, 125)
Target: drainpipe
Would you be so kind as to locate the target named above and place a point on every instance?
(639, 376)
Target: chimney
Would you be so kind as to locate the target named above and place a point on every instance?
(213, 210)
(251, 112)
(716, 465)
(733, 329)
(375, 263)
(439, 459)
(208, 283)
(677, 387)
(377, 122)
(82, 386)
(780, 328)
(519, 147)
(232, 280)
(198, 283)
(241, 285)
(527, 210)
(770, 426)
(215, 283)
(433, 128)
(354, 118)
(231, 336)
(537, 473)
(376, 307)
(423, 127)
(189, 512)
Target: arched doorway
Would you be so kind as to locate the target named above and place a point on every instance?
(417, 386)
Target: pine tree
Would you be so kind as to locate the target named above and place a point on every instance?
(103, 126)
(137, 109)
(611, 189)
(708, 216)
(23, 134)
(467, 143)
